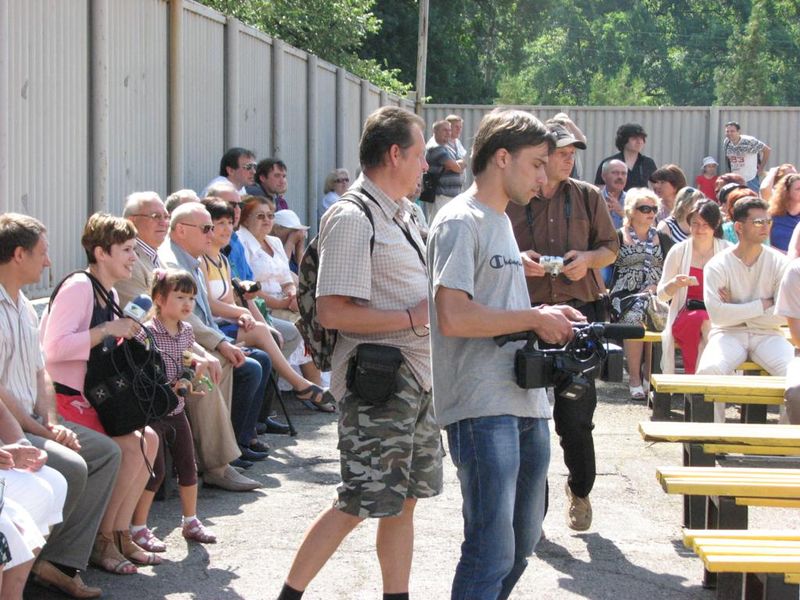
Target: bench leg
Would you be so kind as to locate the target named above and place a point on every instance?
(754, 413)
(694, 507)
(696, 409)
(662, 406)
(768, 586)
(722, 512)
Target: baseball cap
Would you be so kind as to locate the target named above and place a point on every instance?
(289, 219)
(709, 160)
(564, 137)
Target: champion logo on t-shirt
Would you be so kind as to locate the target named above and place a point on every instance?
(498, 261)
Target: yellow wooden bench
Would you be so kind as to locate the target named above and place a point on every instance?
(754, 393)
(764, 564)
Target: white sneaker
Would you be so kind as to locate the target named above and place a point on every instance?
(579, 511)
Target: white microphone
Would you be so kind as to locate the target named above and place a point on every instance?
(137, 308)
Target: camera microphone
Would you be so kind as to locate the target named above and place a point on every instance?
(138, 308)
(620, 331)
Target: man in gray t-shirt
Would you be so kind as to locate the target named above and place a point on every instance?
(477, 291)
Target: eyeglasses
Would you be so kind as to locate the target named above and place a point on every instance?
(154, 216)
(647, 209)
(263, 216)
(249, 166)
(342, 180)
(203, 228)
(761, 221)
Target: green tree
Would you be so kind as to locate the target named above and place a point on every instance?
(334, 30)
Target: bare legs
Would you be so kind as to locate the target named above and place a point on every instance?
(633, 356)
(394, 544)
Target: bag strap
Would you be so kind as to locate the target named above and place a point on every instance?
(97, 289)
(353, 196)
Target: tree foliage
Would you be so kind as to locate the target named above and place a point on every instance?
(334, 30)
(573, 52)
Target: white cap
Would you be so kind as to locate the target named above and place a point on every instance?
(289, 219)
(709, 160)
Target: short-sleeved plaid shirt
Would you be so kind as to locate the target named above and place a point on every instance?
(392, 278)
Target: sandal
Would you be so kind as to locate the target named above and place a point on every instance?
(194, 531)
(145, 539)
(637, 392)
(133, 552)
(316, 399)
(106, 556)
(258, 446)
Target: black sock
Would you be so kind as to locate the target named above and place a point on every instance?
(289, 593)
(68, 571)
(403, 596)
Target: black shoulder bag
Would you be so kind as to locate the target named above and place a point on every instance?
(125, 383)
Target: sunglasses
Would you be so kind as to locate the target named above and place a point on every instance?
(647, 209)
(761, 221)
(203, 228)
(154, 216)
(264, 216)
(342, 180)
(249, 166)
(238, 205)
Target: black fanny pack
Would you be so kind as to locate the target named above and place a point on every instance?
(693, 304)
(372, 372)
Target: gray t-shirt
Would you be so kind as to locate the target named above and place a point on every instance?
(472, 248)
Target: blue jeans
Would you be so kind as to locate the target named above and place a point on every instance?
(502, 466)
(249, 386)
(754, 184)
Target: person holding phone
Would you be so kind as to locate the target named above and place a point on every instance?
(682, 286)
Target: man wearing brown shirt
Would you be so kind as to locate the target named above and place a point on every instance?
(570, 220)
(372, 287)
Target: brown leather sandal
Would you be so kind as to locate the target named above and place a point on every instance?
(107, 556)
(134, 553)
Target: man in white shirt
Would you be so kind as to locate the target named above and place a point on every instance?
(787, 305)
(745, 155)
(238, 167)
(740, 286)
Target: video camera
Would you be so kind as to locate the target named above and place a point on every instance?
(587, 356)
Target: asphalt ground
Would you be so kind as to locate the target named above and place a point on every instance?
(632, 551)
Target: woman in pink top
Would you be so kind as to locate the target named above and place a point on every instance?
(77, 321)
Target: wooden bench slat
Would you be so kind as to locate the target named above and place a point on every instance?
(723, 433)
(781, 503)
(721, 472)
(751, 564)
(718, 384)
(793, 578)
(746, 449)
(740, 399)
(755, 534)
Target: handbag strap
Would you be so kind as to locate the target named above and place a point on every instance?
(98, 290)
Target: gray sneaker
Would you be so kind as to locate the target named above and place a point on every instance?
(579, 511)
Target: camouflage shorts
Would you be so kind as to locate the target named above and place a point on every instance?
(388, 452)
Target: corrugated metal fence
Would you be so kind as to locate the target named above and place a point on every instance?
(99, 98)
(679, 135)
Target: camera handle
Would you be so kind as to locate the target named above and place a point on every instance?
(517, 336)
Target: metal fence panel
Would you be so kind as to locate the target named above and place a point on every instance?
(255, 92)
(203, 91)
(325, 115)
(353, 124)
(137, 100)
(48, 134)
(295, 106)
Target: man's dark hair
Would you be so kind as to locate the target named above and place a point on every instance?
(218, 209)
(626, 132)
(743, 206)
(670, 173)
(18, 231)
(733, 124)
(266, 165)
(231, 159)
(709, 211)
(386, 127)
(511, 130)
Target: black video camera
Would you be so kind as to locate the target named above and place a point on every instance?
(587, 356)
(245, 287)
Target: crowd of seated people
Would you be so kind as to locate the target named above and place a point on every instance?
(90, 505)
(188, 252)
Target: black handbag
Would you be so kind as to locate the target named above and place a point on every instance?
(429, 183)
(125, 382)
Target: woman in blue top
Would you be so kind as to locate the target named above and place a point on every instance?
(784, 208)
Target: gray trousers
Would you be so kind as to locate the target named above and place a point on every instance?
(91, 474)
